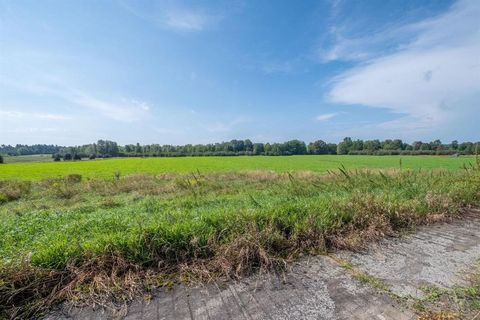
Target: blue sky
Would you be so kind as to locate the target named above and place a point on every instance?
(72, 72)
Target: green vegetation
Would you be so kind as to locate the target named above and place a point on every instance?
(84, 236)
(22, 149)
(107, 168)
(107, 149)
(460, 302)
(29, 158)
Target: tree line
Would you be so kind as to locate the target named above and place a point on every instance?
(106, 149)
(23, 149)
(398, 147)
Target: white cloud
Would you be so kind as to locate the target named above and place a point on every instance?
(326, 116)
(430, 81)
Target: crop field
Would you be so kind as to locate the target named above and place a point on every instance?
(107, 168)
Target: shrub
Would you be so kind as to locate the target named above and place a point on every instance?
(13, 190)
(1, 159)
(73, 178)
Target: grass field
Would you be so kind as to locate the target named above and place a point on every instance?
(29, 158)
(108, 167)
(75, 230)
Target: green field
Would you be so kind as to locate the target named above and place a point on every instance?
(28, 158)
(108, 167)
(85, 236)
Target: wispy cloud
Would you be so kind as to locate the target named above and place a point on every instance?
(46, 84)
(431, 81)
(344, 42)
(186, 20)
(125, 110)
(326, 116)
(173, 16)
(225, 126)
(8, 114)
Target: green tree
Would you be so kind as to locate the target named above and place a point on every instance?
(258, 148)
(318, 147)
(372, 145)
(454, 145)
(345, 146)
(357, 145)
(248, 145)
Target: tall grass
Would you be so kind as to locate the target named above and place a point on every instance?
(72, 237)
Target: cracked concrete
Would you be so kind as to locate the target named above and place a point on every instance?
(435, 255)
(318, 288)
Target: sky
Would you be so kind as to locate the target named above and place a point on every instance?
(178, 72)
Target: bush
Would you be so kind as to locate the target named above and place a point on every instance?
(1, 159)
(13, 190)
(73, 178)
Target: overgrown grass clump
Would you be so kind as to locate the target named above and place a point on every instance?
(75, 238)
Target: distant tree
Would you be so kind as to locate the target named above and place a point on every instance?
(318, 147)
(372, 145)
(345, 146)
(332, 148)
(268, 148)
(138, 149)
(425, 146)
(1, 159)
(397, 144)
(454, 145)
(56, 157)
(292, 147)
(436, 145)
(417, 145)
(20, 149)
(248, 145)
(357, 145)
(258, 148)
(106, 148)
